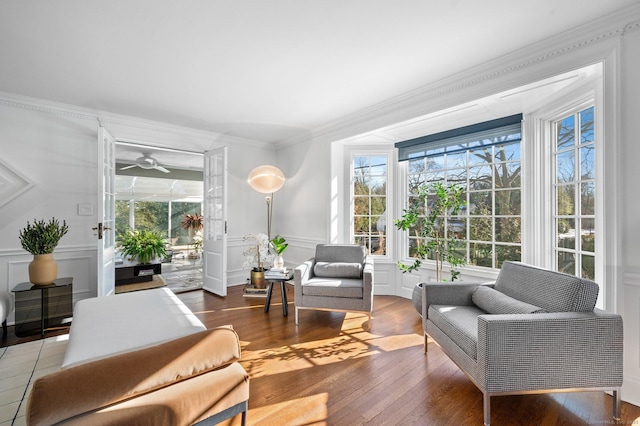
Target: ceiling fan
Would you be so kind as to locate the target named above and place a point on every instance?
(146, 162)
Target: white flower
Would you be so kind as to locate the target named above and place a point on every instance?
(258, 251)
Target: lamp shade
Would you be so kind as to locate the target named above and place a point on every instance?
(266, 179)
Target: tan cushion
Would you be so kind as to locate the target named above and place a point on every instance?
(180, 404)
(94, 385)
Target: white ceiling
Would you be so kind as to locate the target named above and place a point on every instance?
(267, 70)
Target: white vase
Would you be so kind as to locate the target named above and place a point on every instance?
(278, 262)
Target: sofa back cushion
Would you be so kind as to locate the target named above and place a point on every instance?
(345, 253)
(550, 290)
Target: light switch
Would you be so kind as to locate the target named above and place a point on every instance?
(85, 209)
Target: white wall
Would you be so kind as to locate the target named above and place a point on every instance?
(629, 207)
(53, 148)
(301, 209)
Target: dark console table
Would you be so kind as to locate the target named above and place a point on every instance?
(43, 307)
(129, 272)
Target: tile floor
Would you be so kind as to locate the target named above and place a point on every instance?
(20, 366)
(183, 274)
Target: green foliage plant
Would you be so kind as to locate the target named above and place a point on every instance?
(42, 237)
(279, 244)
(425, 219)
(142, 245)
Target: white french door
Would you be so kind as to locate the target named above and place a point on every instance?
(215, 221)
(106, 213)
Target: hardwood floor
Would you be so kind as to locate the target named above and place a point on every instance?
(332, 371)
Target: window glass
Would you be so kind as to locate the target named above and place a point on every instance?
(369, 177)
(489, 171)
(575, 194)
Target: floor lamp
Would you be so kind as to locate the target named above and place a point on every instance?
(267, 180)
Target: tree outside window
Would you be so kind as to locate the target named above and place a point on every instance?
(489, 170)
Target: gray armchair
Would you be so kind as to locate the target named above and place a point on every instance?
(533, 331)
(338, 278)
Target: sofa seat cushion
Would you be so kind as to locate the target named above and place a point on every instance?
(495, 302)
(350, 288)
(460, 323)
(337, 270)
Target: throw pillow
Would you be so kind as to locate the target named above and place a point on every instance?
(494, 302)
(337, 270)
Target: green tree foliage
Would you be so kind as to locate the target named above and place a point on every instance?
(431, 209)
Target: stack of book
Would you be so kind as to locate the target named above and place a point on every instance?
(251, 291)
(278, 273)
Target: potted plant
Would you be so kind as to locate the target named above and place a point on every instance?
(426, 218)
(255, 256)
(197, 245)
(192, 223)
(279, 245)
(142, 245)
(40, 239)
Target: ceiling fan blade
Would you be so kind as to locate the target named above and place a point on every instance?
(128, 167)
(162, 169)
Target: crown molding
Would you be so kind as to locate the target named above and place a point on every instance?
(469, 84)
(209, 140)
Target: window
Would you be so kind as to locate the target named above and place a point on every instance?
(484, 159)
(369, 178)
(574, 149)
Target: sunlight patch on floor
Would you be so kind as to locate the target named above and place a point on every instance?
(347, 346)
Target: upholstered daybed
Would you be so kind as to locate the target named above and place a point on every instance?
(142, 359)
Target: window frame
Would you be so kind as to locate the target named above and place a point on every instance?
(540, 198)
(370, 151)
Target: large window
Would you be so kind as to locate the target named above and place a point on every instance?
(575, 193)
(156, 204)
(485, 161)
(164, 217)
(369, 178)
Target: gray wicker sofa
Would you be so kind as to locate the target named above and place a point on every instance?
(532, 331)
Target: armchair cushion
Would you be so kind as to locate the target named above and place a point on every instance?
(495, 302)
(337, 270)
(328, 287)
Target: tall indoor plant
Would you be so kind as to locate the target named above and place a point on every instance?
(425, 217)
(40, 239)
